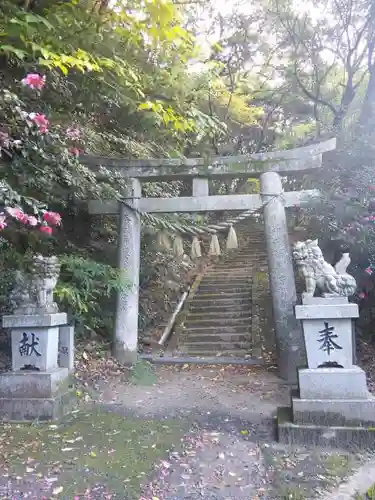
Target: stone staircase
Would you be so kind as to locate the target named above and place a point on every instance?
(218, 319)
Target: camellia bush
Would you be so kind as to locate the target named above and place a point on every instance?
(40, 167)
(18, 208)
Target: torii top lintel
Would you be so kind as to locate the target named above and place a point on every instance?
(253, 165)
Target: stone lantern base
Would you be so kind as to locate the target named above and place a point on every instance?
(30, 395)
(39, 385)
(332, 406)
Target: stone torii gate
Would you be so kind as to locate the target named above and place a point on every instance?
(266, 166)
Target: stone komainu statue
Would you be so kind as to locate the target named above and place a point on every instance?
(33, 292)
(317, 273)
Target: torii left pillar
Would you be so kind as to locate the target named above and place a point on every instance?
(125, 341)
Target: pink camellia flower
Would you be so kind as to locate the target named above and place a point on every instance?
(40, 121)
(13, 212)
(73, 133)
(52, 218)
(362, 295)
(368, 270)
(75, 151)
(34, 81)
(23, 218)
(18, 214)
(46, 229)
(33, 221)
(3, 224)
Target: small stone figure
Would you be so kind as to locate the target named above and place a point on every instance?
(33, 292)
(317, 273)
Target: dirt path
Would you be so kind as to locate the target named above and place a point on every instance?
(167, 433)
(230, 451)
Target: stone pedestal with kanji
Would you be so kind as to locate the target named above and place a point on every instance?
(332, 405)
(38, 387)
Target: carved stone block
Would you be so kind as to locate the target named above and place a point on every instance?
(66, 347)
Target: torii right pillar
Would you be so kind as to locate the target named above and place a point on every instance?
(289, 339)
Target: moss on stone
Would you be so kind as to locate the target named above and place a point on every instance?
(284, 414)
(90, 448)
(292, 493)
(261, 278)
(338, 465)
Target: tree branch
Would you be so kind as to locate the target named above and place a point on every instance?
(311, 96)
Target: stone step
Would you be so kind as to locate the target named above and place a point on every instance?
(237, 269)
(218, 330)
(245, 262)
(234, 266)
(200, 305)
(219, 301)
(218, 314)
(235, 257)
(242, 260)
(225, 274)
(248, 262)
(246, 250)
(223, 307)
(255, 252)
(229, 277)
(214, 347)
(236, 277)
(217, 294)
(241, 270)
(214, 337)
(246, 246)
(224, 289)
(253, 249)
(233, 353)
(226, 283)
(233, 280)
(245, 258)
(229, 321)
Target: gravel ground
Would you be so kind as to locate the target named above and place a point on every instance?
(228, 449)
(231, 451)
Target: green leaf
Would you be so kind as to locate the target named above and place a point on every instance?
(21, 54)
(146, 105)
(32, 18)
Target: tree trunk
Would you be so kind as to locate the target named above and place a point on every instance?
(366, 122)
